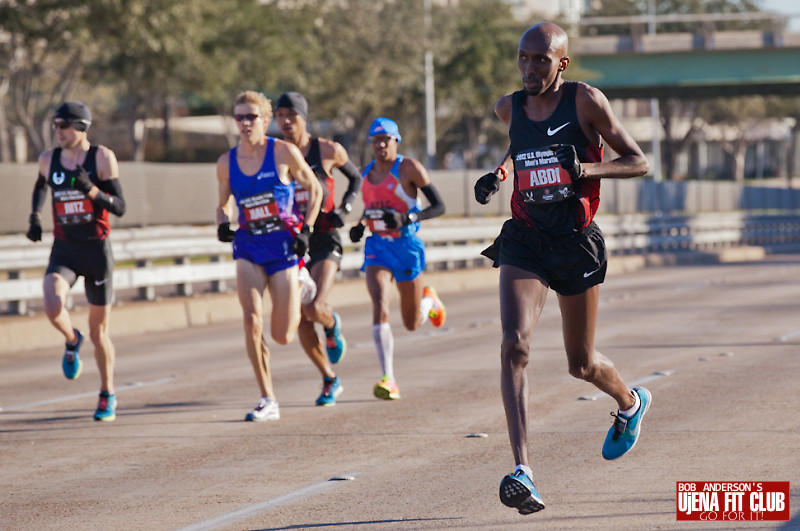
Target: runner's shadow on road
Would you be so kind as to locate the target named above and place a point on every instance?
(184, 405)
(365, 522)
(45, 420)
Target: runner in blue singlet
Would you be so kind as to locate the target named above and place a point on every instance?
(258, 173)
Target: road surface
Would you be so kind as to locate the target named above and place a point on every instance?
(717, 345)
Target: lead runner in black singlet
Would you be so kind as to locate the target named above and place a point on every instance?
(85, 187)
(556, 129)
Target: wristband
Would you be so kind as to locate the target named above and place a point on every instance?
(504, 172)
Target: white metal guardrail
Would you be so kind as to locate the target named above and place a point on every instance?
(182, 256)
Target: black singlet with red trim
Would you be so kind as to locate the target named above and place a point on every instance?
(565, 208)
(75, 217)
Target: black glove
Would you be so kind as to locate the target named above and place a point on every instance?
(486, 187)
(395, 219)
(336, 218)
(300, 243)
(35, 230)
(224, 233)
(568, 158)
(357, 232)
(81, 182)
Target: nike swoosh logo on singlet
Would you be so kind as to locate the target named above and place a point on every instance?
(551, 132)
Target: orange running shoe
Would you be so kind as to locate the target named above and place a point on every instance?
(437, 315)
(386, 389)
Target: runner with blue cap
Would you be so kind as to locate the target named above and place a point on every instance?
(385, 126)
(393, 251)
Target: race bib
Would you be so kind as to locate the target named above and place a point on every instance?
(377, 225)
(540, 178)
(375, 220)
(261, 213)
(72, 207)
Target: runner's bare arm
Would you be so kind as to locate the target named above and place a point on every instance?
(503, 111)
(598, 122)
(412, 171)
(223, 190)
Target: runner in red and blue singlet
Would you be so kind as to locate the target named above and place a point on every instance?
(393, 251)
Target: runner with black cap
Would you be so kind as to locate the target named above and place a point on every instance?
(84, 180)
(325, 244)
(393, 252)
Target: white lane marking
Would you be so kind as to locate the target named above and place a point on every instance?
(225, 520)
(790, 335)
(126, 387)
(654, 376)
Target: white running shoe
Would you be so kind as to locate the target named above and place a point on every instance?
(266, 409)
(308, 288)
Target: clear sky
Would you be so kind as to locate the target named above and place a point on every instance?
(784, 6)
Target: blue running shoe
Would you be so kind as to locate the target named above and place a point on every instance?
(518, 492)
(106, 407)
(625, 432)
(71, 364)
(335, 343)
(331, 388)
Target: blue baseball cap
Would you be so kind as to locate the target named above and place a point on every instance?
(384, 126)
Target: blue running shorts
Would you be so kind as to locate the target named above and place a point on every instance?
(270, 251)
(403, 256)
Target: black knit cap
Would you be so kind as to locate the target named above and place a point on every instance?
(76, 113)
(293, 101)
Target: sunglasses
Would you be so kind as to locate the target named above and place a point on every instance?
(248, 117)
(61, 125)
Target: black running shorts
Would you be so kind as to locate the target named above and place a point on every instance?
(92, 260)
(570, 263)
(325, 246)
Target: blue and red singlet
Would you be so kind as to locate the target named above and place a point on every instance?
(388, 195)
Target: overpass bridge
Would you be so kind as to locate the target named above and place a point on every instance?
(710, 63)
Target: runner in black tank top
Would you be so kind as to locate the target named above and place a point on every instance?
(325, 245)
(85, 187)
(561, 127)
(75, 217)
(555, 128)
